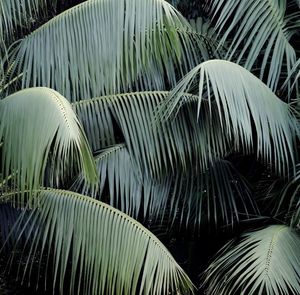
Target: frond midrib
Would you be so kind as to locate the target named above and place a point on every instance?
(270, 252)
(100, 204)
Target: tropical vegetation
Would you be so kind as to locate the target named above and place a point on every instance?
(118, 117)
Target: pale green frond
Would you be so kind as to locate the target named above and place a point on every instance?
(156, 147)
(38, 126)
(101, 47)
(266, 261)
(129, 190)
(250, 113)
(218, 195)
(258, 28)
(110, 253)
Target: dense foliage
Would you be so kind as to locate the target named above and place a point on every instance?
(127, 124)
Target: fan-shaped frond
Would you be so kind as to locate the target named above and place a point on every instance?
(266, 261)
(247, 109)
(38, 126)
(110, 252)
(105, 46)
(156, 147)
(267, 31)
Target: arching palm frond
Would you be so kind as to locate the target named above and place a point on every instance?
(266, 261)
(267, 31)
(156, 147)
(218, 195)
(136, 44)
(38, 126)
(110, 252)
(129, 190)
(246, 108)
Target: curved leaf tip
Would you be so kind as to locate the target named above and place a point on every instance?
(39, 128)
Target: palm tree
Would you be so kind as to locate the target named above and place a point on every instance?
(120, 113)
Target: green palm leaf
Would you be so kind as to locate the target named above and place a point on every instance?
(17, 14)
(38, 126)
(246, 108)
(110, 252)
(267, 31)
(209, 37)
(136, 42)
(129, 190)
(156, 147)
(193, 197)
(266, 261)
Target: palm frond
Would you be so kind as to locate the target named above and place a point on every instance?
(209, 36)
(266, 261)
(129, 190)
(38, 126)
(16, 14)
(218, 196)
(194, 197)
(136, 44)
(289, 199)
(110, 252)
(156, 147)
(246, 108)
(267, 31)
(292, 79)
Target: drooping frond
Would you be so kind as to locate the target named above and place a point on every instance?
(267, 31)
(266, 261)
(155, 146)
(129, 190)
(17, 14)
(106, 46)
(218, 196)
(193, 197)
(110, 252)
(38, 126)
(250, 113)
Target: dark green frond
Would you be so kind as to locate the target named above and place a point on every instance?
(217, 196)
